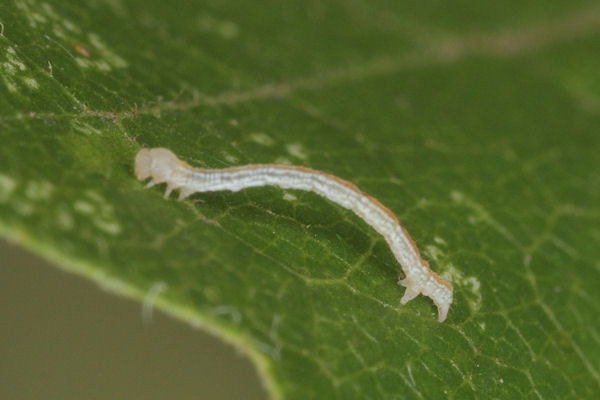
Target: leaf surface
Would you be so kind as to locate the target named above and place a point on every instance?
(476, 123)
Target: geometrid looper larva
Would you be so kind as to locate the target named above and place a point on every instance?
(163, 166)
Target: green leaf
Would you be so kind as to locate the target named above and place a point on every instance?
(476, 123)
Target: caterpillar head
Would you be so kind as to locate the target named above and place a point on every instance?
(158, 163)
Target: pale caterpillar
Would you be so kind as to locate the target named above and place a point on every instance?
(162, 165)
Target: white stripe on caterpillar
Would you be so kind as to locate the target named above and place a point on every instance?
(162, 165)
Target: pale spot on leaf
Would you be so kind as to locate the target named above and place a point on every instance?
(296, 150)
(7, 187)
(262, 139)
(39, 190)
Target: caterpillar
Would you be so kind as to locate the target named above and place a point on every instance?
(163, 166)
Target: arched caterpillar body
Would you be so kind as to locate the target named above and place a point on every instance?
(162, 166)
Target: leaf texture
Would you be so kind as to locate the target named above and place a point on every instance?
(476, 123)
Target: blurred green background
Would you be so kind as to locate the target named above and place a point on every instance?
(99, 347)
